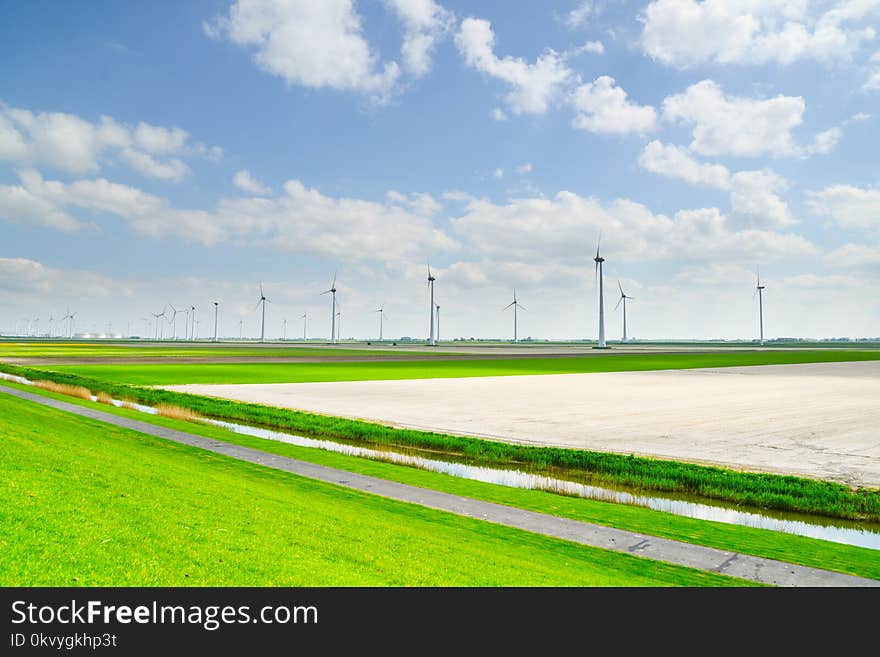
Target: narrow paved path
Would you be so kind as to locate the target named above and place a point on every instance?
(766, 571)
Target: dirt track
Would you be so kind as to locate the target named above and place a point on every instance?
(818, 420)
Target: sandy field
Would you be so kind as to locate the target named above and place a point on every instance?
(818, 420)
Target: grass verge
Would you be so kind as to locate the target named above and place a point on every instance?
(859, 561)
(83, 503)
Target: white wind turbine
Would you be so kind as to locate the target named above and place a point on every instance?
(216, 315)
(156, 317)
(332, 292)
(759, 291)
(516, 306)
(263, 301)
(431, 339)
(305, 319)
(284, 329)
(437, 334)
(599, 260)
(381, 311)
(622, 299)
(173, 321)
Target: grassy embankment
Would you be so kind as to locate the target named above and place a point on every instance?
(171, 373)
(83, 503)
(758, 542)
(786, 493)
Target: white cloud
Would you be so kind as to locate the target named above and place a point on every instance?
(22, 277)
(754, 202)
(686, 32)
(873, 81)
(603, 107)
(854, 256)
(174, 169)
(425, 23)
(524, 168)
(498, 114)
(850, 207)
(534, 86)
(732, 125)
(579, 15)
(676, 162)
(21, 205)
(753, 198)
(594, 47)
(75, 145)
(307, 43)
(498, 173)
(247, 183)
(564, 229)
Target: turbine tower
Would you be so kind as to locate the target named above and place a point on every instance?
(305, 319)
(437, 306)
(516, 306)
(599, 260)
(622, 299)
(263, 301)
(332, 292)
(192, 334)
(174, 312)
(759, 290)
(284, 329)
(381, 311)
(216, 311)
(431, 279)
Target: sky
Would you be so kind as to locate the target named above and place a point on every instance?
(172, 154)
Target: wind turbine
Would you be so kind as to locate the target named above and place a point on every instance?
(759, 290)
(305, 319)
(516, 306)
(263, 300)
(216, 311)
(431, 279)
(174, 312)
(437, 336)
(192, 314)
(623, 298)
(51, 320)
(240, 329)
(381, 311)
(284, 329)
(599, 260)
(70, 318)
(332, 291)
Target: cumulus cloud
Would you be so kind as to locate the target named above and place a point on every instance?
(676, 162)
(603, 107)
(854, 256)
(733, 125)
(753, 194)
(848, 206)
(247, 183)
(72, 144)
(315, 44)
(22, 278)
(425, 24)
(580, 14)
(534, 87)
(565, 227)
(685, 33)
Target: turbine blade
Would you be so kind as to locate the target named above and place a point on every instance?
(521, 307)
(621, 288)
(508, 306)
(619, 301)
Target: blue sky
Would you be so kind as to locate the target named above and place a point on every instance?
(177, 153)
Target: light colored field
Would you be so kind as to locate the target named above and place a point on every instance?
(818, 420)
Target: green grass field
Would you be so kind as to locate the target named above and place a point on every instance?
(169, 374)
(763, 543)
(86, 504)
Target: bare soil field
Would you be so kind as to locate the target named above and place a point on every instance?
(819, 420)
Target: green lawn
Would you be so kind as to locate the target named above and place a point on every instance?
(806, 551)
(84, 503)
(168, 374)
